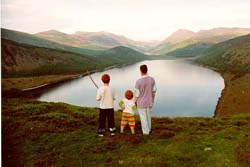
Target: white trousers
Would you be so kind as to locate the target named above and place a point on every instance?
(145, 117)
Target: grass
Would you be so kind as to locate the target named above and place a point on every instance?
(57, 134)
(236, 95)
(29, 82)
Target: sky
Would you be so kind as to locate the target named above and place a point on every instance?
(136, 19)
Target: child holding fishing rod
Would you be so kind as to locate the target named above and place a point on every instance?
(106, 96)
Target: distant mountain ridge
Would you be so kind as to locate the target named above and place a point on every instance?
(24, 54)
(29, 39)
(94, 40)
(179, 36)
(183, 38)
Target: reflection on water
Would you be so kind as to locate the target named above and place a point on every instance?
(183, 89)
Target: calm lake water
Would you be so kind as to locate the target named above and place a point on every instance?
(183, 89)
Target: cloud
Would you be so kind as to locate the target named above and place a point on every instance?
(137, 19)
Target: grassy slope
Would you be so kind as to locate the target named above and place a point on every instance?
(21, 83)
(168, 47)
(190, 50)
(45, 134)
(26, 60)
(229, 56)
(232, 59)
(235, 96)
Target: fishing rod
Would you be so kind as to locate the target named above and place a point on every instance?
(92, 79)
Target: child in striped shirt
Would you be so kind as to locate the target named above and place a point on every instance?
(128, 106)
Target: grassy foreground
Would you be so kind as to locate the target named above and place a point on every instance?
(56, 134)
(235, 97)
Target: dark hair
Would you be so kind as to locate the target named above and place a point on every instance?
(105, 78)
(144, 68)
(129, 94)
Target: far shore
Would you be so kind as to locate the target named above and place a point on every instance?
(33, 87)
(37, 82)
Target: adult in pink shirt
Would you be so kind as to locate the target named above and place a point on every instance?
(145, 90)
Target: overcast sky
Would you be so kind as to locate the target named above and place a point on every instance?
(136, 19)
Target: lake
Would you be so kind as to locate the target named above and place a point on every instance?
(183, 89)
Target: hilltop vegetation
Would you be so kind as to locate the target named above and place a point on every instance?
(57, 134)
(229, 56)
(25, 60)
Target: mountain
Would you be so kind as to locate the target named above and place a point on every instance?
(27, 55)
(123, 55)
(25, 38)
(26, 60)
(94, 40)
(185, 38)
(179, 36)
(231, 56)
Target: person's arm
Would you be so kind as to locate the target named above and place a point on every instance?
(137, 94)
(136, 91)
(134, 107)
(154, 90)
(121, 104)
(99, 95)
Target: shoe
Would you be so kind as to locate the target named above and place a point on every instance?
(112, 130)
(101, 132)
(100, 135)
(112, 134)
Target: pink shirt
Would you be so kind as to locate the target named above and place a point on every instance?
(145, 86)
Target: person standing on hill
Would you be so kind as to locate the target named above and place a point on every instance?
(145, 90)
(106, 96)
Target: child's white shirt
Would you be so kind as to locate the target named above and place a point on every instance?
(129, 105)
(106, 96)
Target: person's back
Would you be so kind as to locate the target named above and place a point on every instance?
(106, 97)
(145, 85)
(145, 92)
(128, 106)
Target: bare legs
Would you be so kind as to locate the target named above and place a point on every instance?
(131, 128)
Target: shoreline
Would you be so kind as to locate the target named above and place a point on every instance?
(94, 71)
(36, 91)
(222, 94)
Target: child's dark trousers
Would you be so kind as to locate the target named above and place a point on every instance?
(106, 114)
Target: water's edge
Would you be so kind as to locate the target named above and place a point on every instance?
(37, 91)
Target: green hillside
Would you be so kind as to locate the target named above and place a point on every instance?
(19, 59)
(122, 54)
(190, 50)
(26, 60)
(232, 59)
(231, 56)
(25, 38)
